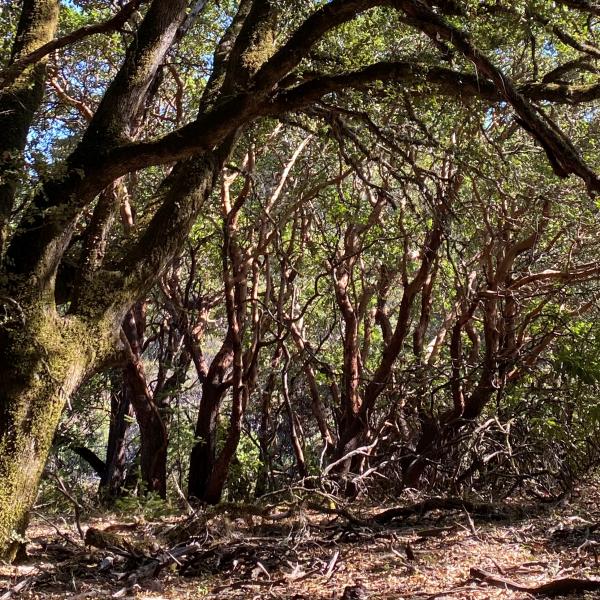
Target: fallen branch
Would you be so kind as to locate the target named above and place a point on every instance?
(64, 536)
(160, 562)
(106, 540)
(364, 450)
(200, 518)
(431, 504)
(338, 512)
(556, 587)
(25, 585)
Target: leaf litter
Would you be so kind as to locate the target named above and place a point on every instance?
(314, 552)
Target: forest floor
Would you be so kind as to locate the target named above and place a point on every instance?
(453, 554)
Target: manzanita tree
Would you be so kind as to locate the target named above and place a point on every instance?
(69, 276)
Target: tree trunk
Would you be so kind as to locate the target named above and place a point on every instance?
(202, 459)
(266, 433)
(113, 479)
(239, 400)
(43, 359)
(316, 404)
(153, 449)
(294, 425)
(44, 356)
(216, 483)
(203, 455)
(20, 100)
(154, 437)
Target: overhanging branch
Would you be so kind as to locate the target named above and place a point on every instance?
(452, 83)
(562, 154)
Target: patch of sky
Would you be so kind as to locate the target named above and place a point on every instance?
(590, 114)
(490, 113)
(488, 119)
(549, 49)
(70, 4)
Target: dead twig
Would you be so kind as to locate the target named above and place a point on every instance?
(331, 565)
(64, 536)
(62, 488)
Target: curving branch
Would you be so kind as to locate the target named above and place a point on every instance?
(562, 154)
(452, 83)
(325, 19)
(210, 128)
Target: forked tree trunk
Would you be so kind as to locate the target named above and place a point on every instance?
(44, 357)
(204, 452)
(353, 433)
(220, 471)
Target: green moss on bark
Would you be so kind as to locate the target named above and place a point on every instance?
(51, 355)
(20, 100)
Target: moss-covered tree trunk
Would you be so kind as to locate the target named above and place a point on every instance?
(20, 100)
(43, 359)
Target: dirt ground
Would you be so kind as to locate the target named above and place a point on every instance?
(311, 555)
